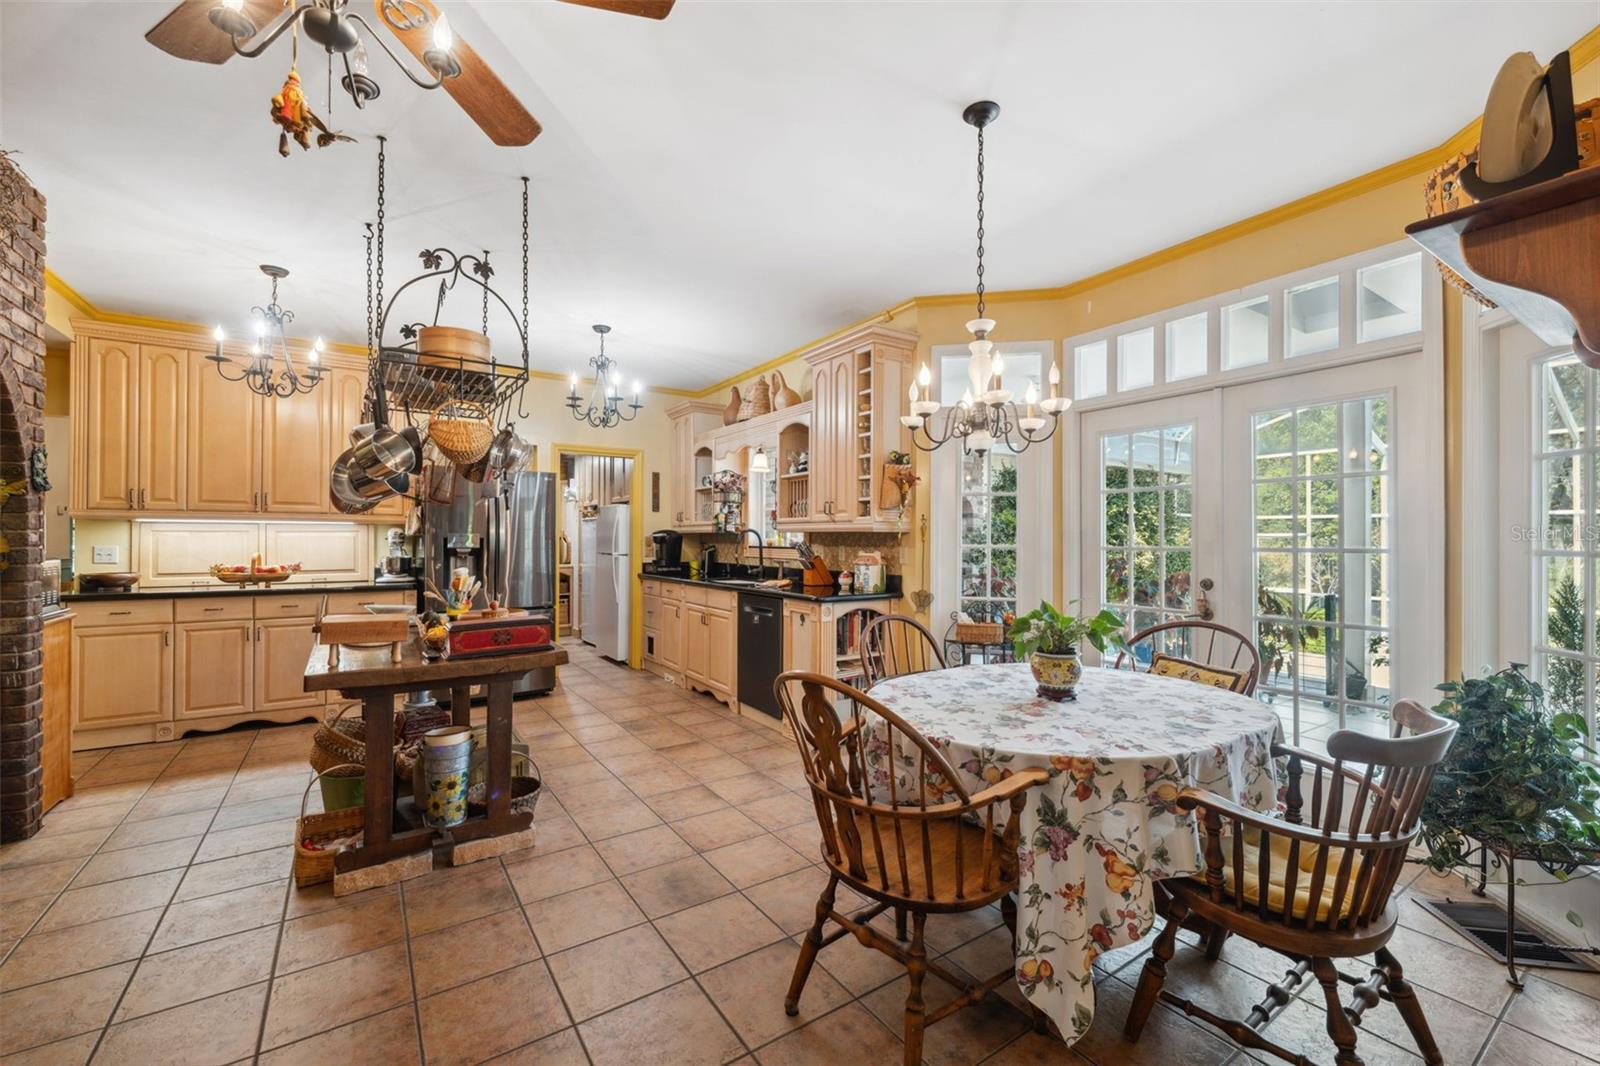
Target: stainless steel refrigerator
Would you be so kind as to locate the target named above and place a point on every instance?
(613, 582)
(505, 535)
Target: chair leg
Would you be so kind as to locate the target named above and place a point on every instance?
(1339, 1027)
(809, 948)
(1215, 938)
(900, 924)
(916, 969)
(1410, 1007)
(1154, 973)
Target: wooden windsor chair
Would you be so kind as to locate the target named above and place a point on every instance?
(899, 828)
(1207, 652)
(896, 644)
(1314, 891)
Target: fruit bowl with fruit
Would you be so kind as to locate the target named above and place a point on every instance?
(254, 573)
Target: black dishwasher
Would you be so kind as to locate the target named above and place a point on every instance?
(760, 650)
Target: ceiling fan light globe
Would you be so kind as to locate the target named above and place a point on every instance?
(228, 17)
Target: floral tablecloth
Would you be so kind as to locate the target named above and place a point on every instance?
(1103, 828)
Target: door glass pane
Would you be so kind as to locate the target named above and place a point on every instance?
(1187, 352)
(1311, 317)
(1244, 333)
(1564, 384)
(989, 535)
(1147, 523)
(1136, 359)
(1089, 369)
(1322, 564)
(1389, 298)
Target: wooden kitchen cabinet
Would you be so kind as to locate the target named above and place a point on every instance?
(162, 433)
(224, 467)
(214, 668)
(710, 642)
(55, 716)
(721, 665)
(294, 453)
(670, 651)
(122, 675)
(691, 422)
(859, 386)
(105, 384)
(801, 622)
(282, 646)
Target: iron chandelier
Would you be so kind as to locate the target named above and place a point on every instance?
(986, 415)
(605, 399)
(271, 370)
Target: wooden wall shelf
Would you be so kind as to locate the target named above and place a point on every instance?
(1535, 252)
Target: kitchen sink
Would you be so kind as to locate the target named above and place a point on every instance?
(741, 582)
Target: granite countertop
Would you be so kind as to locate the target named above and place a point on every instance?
(217, 588)
(891, 593)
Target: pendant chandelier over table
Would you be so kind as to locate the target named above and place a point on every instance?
(605, 400)
(271, 369)
(987, 415)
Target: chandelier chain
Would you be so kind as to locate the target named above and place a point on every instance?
(980, 222)
(379, 275)
(486, 294)
(524, 264)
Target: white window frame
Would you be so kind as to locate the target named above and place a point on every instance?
(1036, 497)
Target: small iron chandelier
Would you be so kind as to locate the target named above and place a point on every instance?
(270, 370)
(986, 415)
(605, 406)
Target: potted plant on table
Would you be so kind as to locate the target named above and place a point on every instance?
(1049, 640)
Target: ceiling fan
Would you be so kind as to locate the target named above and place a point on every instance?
(213, 31)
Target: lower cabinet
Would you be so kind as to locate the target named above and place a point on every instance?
(214, 668)
(55, 717)
(800, 644)
(145, 669)
(122, 676)
(282, 647)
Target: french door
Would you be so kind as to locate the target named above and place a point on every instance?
(1310, 503)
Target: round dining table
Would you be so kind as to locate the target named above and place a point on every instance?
(1105, 827)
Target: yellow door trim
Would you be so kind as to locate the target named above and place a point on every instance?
(635, 531)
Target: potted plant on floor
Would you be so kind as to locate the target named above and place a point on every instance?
(1515, 780)
(1049, 640)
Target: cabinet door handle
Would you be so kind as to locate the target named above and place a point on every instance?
(258, 632)
(265, 502)
(115, 613)
(141, 499)
(213, 609)
(130, 499)
(166, 637)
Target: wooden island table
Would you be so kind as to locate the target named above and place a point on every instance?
(375, 677)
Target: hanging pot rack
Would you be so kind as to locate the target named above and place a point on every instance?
(398, 381)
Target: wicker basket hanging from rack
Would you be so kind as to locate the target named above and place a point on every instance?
(461, 430)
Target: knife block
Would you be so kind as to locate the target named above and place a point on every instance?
(816, 575)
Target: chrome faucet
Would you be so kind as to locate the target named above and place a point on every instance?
(761, 550)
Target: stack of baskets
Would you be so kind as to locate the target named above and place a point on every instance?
(319, 837)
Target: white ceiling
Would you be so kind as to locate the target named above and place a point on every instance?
(743, 177)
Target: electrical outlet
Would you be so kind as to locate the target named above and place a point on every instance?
(105, 553)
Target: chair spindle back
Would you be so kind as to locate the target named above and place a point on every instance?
(896, 644)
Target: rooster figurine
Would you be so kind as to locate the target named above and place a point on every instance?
(290, 111)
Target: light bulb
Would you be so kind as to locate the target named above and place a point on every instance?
(911, 392)
(1055, 374)
(574, 384)
(966, 397)
(358, 59)
(923, 377)
(442, 37)
(1031, 397)
(217, 334)
(316, 350)
(996, 365)
(261, 326)
(637, 389)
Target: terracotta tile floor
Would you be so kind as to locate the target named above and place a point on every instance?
(655, 922)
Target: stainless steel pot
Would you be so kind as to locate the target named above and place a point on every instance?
(350, 490)
(381, 452)
(518, 452)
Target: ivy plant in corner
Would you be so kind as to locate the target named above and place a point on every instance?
(1515, 780)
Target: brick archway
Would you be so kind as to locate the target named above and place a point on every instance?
(22, 212)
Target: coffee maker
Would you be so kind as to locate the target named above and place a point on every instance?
(669, 552)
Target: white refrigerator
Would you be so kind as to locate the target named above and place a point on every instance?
(586, 583)
(613, 583)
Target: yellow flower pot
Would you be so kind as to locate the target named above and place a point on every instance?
(1057, 675)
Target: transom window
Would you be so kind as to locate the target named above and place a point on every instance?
(1564, 541)
(1321, 519)
(1147, 525)
(989, 534)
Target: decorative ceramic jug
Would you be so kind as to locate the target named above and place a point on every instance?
(782, 395)
(730, 414)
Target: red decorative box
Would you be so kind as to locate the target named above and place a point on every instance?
(483, 634)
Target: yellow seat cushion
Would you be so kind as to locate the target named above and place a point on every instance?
(1278, 875)
(1167, 666)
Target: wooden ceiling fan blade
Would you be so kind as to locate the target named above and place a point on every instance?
(479, 91)
(188, 32)
(650, 9)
